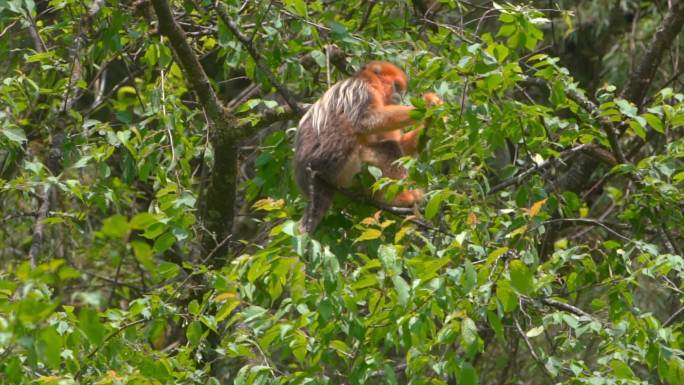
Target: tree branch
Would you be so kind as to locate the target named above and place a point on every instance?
(546, 164)
(189, 62)
(247, 44)
(587, 105)
(39, 226)
(589, 222)
(641, 78)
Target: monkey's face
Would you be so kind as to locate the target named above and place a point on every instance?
(394, 85)
(391, 80)
(397, 96)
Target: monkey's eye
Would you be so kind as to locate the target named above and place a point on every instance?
(396, 85)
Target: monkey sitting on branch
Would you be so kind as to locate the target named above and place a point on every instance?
(358, 120)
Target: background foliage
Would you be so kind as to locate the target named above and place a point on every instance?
(149, 213)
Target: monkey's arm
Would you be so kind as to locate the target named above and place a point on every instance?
(386, 118)
(409, 141)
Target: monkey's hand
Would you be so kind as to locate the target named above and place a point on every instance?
(432, 99)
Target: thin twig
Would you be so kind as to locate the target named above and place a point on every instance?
(567, 307)
(111, 335)
(587, 221)
(564, 155)
(673, 317)
(530, 348)
(247, 44)
(10, 25)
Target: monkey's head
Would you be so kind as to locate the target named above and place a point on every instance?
(386, 78)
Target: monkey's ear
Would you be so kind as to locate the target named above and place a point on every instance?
(377, 69)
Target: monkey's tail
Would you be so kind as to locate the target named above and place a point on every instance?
(320, 199)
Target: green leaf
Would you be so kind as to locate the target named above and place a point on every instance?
(226, 309)
(167, 270)
(435, 201)
(654, 122)
(506, 295)
(15, 134)
(325, 309)
(341, 347)
(390, 375)
(558, 93)
(468, 375)
(402, 289)
(534, 332)
(621, 370)
(367, 280)
(521, 277)
(68, 272)
(52, 346)
(496, 324)
(675, 371)
(627, 108)
(194, 332)
(13, 369)
(89, 322)
(468, 332)
(142, 220)
(505, 17)
(115, 226)
(164, 242)
(143, 253)
(390, 260)
(469, 278)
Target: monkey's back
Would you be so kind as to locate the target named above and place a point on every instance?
(326, 137)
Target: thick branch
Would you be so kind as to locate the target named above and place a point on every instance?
(247, 44)
(640, 79)
(188, 60)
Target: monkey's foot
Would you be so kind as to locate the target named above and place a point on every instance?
(408, 198)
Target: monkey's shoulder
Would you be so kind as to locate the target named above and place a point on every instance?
(344, 104)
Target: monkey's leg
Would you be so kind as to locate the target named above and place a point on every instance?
(382, 155)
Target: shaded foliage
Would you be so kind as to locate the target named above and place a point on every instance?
(149, 213)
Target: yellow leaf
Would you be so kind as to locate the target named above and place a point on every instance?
(472, 219)
(534, 209)
(369, 221)
(519, 231)
(401, 233)
(224, 296)
(268, 204)
(386, 223)
(369, 234)
(584, 211)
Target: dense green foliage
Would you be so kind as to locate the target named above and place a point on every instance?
(548, 249)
